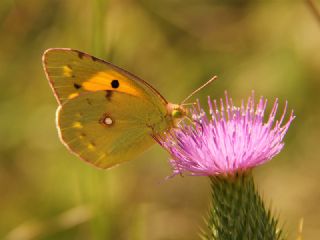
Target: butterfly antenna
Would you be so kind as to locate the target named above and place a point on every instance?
(197, 90)
(188, 104)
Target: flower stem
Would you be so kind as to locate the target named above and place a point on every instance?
(238, 212)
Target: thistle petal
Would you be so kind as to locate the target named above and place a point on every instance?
(228, 139)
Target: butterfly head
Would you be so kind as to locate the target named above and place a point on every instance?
(176, 111)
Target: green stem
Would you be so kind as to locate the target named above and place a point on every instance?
(238, 211)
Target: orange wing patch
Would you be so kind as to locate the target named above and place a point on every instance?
(109, 80)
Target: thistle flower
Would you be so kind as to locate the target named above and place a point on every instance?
(228, 139)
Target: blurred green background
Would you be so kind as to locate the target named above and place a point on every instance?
(272, 47)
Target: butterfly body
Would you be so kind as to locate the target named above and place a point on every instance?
(106, 115)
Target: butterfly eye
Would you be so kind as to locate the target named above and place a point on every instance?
(176, 113)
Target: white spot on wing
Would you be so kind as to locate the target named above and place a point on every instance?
(108, 121)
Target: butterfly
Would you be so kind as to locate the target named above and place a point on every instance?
(106, 115)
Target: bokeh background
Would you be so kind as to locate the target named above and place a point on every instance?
(272, 47)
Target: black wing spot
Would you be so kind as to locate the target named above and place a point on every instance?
(94, 58)
(80, 55)
(115, 83)
(108, 95)
(76, 85)
(73, 76)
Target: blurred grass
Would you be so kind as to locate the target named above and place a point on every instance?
(46, 193)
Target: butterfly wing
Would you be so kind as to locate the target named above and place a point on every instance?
(106, 115)
(71, 72)
(109, 130)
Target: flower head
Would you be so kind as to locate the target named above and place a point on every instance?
(226, 140)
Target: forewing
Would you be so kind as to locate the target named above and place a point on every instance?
(71, 73)
(106, 129)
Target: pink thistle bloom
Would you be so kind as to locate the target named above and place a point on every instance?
(226, 140)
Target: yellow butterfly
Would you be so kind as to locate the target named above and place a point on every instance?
(106, 115)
